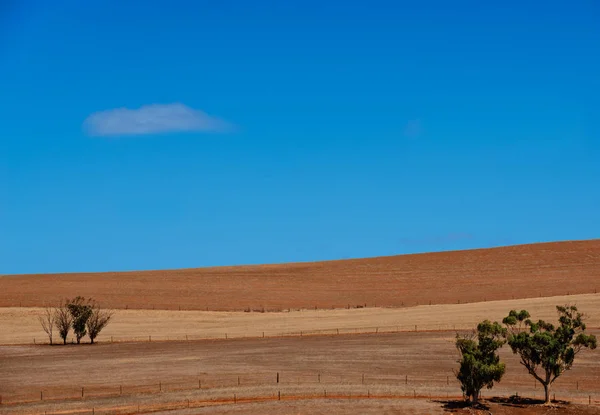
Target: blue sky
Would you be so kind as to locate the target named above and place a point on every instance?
(167, 134)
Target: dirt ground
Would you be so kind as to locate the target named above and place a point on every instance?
(389, 407)
(21, 326)
(407, 280)
(399, 364)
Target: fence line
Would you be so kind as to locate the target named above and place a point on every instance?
(235, 399)
(217, 383)
(413, 328)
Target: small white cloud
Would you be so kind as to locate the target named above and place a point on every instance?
(152, 119)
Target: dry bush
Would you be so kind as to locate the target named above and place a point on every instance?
(97, 320)
(63, 320)
(47, 320)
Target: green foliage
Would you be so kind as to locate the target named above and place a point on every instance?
(547, 351)
(80, 310)
(480, 365)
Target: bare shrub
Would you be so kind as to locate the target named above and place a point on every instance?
(47, 321)
(97, 320)
(63, 320)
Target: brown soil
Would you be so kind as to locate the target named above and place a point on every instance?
(395, 363)
(523, 271)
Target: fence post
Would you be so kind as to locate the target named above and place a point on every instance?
(338, 331)
(319, 377)
(278, 395)
(82, 391)
(199, 384)
(406, 379)
(159, 386)
(277, 377)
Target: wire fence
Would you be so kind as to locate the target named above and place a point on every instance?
(421, 328)
(240, 398)
(581, 388)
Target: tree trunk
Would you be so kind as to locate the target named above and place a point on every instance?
(64, 340)
(546, 393)
(91, 340)
(475, 398)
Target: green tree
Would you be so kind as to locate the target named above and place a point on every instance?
(480, 365)
(80, 310)
(547, 351)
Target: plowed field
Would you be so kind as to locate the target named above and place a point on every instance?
(537, 270)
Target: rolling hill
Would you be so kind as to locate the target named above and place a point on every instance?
(521, 271)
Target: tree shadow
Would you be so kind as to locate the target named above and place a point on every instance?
(458, 405)
(522, 402)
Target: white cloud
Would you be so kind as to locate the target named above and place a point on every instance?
(152, 119)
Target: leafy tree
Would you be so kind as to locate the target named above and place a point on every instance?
(47, 321)
(97, 320)
(63, 320)
(80, 310)
(480, 364)
(547, 351)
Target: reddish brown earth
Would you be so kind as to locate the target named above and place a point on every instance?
(395, 365)
(536, 270)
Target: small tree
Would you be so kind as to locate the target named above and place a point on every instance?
(541, 345)
(80, 310)
(63, 320)
(97, 321)
(480, 364)
(47, 321)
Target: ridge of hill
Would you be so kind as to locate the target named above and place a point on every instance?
(518, 271)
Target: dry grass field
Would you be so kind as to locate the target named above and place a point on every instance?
(219, 362)
(440, 278)
(21, 326)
